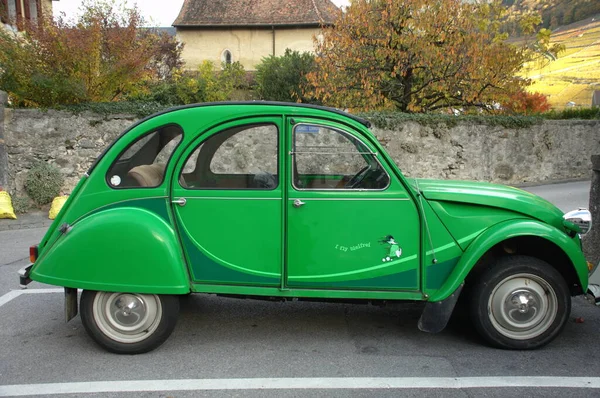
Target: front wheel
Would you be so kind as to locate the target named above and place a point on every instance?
(128, 323)
(520, 302)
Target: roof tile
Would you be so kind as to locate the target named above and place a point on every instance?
(226, 13)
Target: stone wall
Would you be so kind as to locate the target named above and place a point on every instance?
(552, 150)
(70, 142)
(3, 151)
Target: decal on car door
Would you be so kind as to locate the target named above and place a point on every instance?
(394, 250)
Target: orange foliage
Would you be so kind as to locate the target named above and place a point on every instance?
(416, 56)
(100, 57)
(526, 103)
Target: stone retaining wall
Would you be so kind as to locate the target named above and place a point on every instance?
(552, 150)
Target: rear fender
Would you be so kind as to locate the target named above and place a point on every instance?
(506, 230)
(124, 249)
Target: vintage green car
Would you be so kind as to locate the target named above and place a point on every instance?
(290, 201)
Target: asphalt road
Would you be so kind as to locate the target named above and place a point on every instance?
(289, 349)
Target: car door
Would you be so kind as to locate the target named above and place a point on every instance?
(227, 199)
(351, 224)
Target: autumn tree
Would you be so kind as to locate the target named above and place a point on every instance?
(526, 103)
(416, 56)
(101, 56)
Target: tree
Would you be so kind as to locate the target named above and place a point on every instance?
(102, 56)
(206, 84)
(416, 56)
(526, 103)
(284, 78)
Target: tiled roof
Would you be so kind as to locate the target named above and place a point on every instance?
(224, 13)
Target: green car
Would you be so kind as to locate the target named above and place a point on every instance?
(290, 201)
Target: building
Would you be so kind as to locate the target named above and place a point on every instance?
(16, 13)
(248, 30)
(596, 99)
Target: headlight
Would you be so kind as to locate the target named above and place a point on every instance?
(580, 217)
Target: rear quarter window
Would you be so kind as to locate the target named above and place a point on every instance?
(142, 164)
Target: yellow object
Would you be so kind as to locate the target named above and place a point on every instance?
(57, 204)
(6, 208)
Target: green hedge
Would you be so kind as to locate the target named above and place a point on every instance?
(43, 183)
(574, 113)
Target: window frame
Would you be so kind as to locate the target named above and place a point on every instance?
(199, 144)
(108, 173)
(375, 156)
(224, 55)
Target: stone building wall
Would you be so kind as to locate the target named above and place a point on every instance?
(552, 150)
(247, 46)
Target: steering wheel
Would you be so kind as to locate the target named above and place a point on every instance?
(358, 177)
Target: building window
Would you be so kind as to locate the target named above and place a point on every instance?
(12, 11)
(33, 10)
(226, 57)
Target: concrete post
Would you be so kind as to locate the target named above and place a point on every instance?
(591, 241)
(3, 154)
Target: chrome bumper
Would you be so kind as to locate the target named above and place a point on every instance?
(24, 278)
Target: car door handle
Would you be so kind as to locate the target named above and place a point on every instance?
(181, 201)
(298, 203)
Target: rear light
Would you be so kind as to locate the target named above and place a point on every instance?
(33, 253)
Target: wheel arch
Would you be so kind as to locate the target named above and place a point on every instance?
(525, 237)
(532, 246)
(124, 249)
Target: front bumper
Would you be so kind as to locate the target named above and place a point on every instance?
(24, 278)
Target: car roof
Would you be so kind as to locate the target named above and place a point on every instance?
(360, 120)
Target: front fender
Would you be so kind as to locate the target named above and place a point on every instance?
(506, 230)
(125, 249)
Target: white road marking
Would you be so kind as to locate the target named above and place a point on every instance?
(285, 383)
(13, 294)
(36, 291)
(299, 383)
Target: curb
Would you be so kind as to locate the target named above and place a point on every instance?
(548, 182)
(26, 221)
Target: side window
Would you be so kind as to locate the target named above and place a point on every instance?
(143, 163)
(243, 157)
(326, 158)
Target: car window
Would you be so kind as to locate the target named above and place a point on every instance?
(242, 157)
(327, 158)
(143, 163)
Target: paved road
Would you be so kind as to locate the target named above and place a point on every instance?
(331, 347)
(567, 196)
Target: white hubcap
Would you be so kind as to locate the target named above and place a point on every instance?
(127, 317)
(522, 306)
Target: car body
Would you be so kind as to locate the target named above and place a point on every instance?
(292, 201)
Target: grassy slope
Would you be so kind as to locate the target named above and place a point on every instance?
(576, 72)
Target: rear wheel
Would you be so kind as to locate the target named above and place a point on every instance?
(128, 323)
(520, 302)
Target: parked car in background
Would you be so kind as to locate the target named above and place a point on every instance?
(291, 201)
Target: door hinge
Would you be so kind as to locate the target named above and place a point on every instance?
(65, 228)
